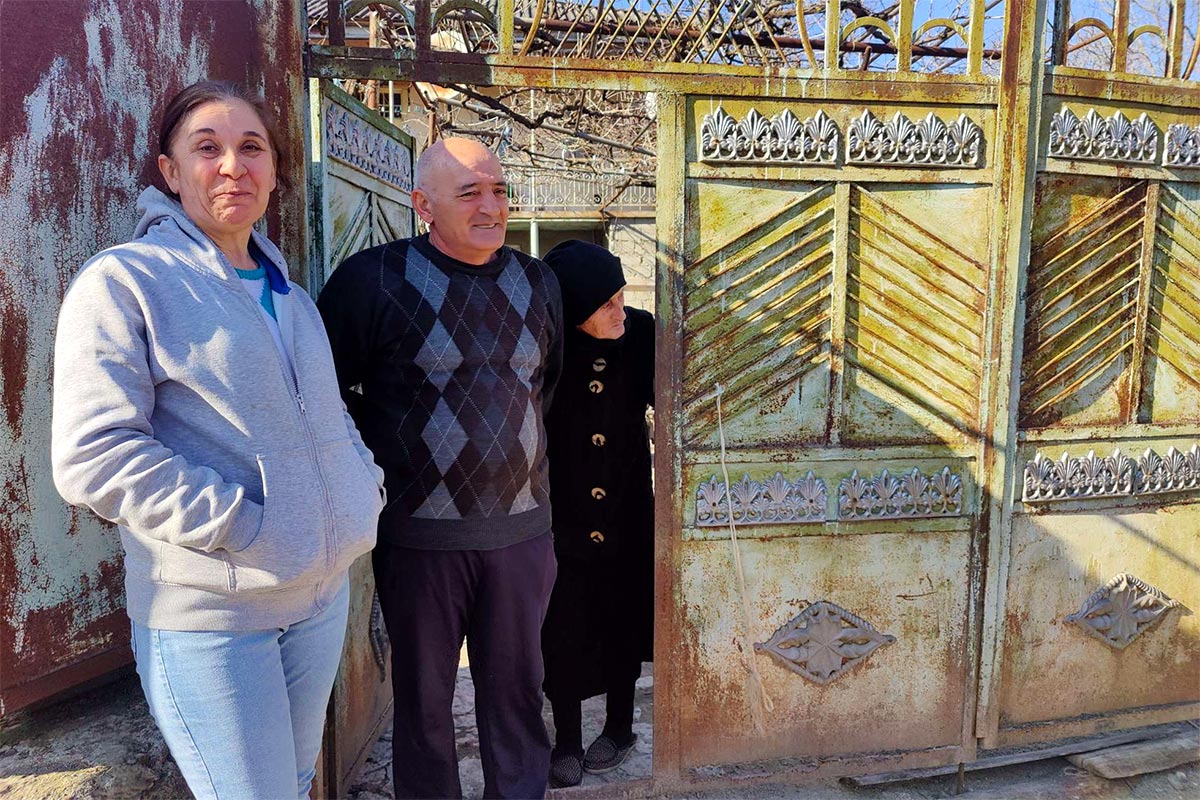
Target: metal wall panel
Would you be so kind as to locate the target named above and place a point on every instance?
(78, 143)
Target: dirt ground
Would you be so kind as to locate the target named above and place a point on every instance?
(102, 745)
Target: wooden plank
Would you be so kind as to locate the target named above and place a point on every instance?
(1006, 759)
(1127, 760)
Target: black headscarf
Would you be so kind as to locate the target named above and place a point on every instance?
(588, 274)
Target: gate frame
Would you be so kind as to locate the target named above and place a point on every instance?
(1017, 96)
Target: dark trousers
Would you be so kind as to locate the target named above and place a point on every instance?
(431, 599)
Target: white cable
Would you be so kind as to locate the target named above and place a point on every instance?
(760, 701)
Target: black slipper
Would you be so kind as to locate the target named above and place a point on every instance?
(566, 769)
(605, 755)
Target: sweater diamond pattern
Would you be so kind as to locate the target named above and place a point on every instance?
(479, 439)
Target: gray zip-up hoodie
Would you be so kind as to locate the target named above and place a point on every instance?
(241, 487)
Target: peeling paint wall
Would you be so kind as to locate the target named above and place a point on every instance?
(78, 140)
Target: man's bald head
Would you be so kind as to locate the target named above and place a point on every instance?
(448, 153)
(461, 195)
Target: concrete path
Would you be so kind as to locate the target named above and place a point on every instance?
(102, 745)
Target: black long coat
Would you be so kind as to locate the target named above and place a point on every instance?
(600, 624)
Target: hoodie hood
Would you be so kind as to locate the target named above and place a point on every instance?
(163, 221)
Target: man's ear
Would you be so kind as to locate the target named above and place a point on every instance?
(422, 206)
(169, 172)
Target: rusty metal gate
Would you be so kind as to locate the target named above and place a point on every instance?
(928, 339)
(360, 189)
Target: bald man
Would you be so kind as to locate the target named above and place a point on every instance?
(447, 347)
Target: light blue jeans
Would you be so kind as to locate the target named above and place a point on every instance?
(243, 711)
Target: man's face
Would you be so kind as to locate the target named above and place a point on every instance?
(465, 203)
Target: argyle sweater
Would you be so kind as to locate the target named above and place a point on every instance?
(447, 369)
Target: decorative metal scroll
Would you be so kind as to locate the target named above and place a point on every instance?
(1183, 146)
(1098, 139)
(1118, 475)
(823, 642)
(908, 496)
(782, 139)
(771, 502)
(901, 142)
(1122, 610)
(355, 142)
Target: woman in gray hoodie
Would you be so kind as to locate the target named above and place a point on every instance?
(196, 406)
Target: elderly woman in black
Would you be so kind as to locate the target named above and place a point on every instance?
(600, 624)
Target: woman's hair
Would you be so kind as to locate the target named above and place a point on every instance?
(201, 92)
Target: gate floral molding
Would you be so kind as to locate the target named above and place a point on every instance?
(777, 500)
(784, 139)
(1118, 139)
(1118, 475)
(1183, 146)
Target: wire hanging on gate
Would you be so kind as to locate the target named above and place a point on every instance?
(760, 701)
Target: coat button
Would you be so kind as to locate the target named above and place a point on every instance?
(599, 493)
(598, 439)
(595, 387)
(597, 537)
(599, 364)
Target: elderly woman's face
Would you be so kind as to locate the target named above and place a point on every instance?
(608, 321)
(222, 167)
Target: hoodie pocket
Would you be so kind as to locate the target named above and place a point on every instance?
(186, 566)
(290, 546)
(355, 498)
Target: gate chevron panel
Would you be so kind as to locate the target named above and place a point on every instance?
(1081, 307)
(915, 311)
(1173, 324)
(758, 307)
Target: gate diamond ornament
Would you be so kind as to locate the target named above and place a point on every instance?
(823, 642)
(1122, 610)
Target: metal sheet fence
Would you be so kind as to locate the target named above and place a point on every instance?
(77, 145)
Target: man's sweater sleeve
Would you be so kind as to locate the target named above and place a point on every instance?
(345, 306)
(103, 452)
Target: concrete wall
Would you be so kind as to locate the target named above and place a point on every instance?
(634, 240)
(78, 139)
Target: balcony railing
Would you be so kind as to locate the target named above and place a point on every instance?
(544, 190)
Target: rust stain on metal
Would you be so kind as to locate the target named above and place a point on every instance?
(78, 146)
(13, 350)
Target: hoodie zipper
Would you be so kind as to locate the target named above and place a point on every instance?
(289, 375)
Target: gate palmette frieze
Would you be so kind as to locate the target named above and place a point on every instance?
(356, 143)
(911, 495)
(770, 502)
(1183, 146)
(1096, 138)
(900, 141)
(823, 642)
(1118, 475)
(1122, 610)
(782, 139)
(785, 139)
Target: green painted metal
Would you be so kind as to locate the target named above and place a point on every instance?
(359, 186)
